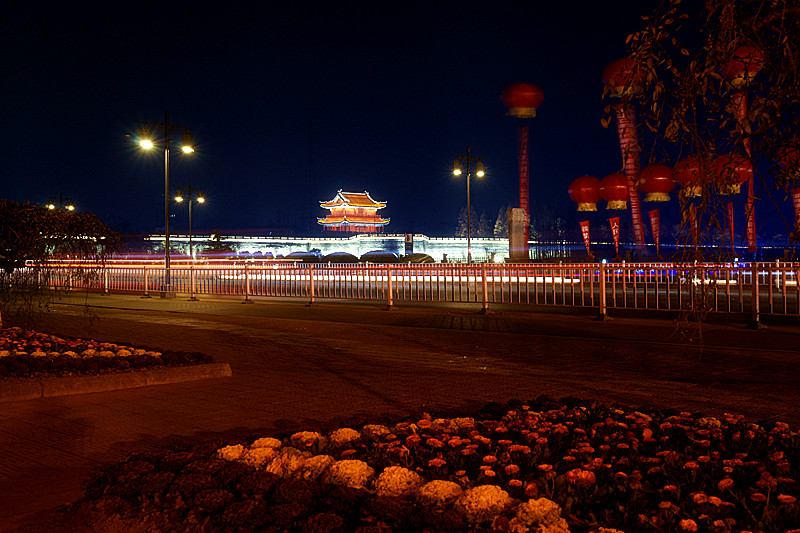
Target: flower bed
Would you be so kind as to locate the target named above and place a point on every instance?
(543, 466)
(31, 354)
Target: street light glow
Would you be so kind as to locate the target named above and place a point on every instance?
(51, 206)
(479, 169)
(456, 168)
(147, 144)
(200, 199)
(187, 142)
(70, 208)
(179, 198)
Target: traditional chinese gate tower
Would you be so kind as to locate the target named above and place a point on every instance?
(353, 212)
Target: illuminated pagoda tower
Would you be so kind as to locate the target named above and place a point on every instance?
(353, 212)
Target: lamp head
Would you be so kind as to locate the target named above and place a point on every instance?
(456, 167)
(146, 137)
(187, 142)
(479, 169)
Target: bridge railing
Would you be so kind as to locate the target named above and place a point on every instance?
(757, 288)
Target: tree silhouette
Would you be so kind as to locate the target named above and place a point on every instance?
(717, 78)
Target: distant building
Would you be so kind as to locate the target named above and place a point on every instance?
(353, 212)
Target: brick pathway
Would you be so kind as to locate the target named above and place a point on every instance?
(299, 367)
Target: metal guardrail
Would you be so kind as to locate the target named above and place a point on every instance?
(770, 288)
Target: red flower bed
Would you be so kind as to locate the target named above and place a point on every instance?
(27, 354)
(541, 466)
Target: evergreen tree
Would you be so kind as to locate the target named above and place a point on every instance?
(501, 224)
(484, 228)
(462, 223)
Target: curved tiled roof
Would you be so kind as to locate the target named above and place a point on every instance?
(352, 199)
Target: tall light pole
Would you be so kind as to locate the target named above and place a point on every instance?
(467, 161)
(187, 145)
(190, 193)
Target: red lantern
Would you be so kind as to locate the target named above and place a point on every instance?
(747, 61)
(691, 173)
(614, 190)
(585, 191)
(657, 182)
(522, 99)
(730, 171)
(624, 77)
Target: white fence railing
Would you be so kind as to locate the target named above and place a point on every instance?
(756, 288)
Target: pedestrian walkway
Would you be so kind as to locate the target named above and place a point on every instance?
(317, 367)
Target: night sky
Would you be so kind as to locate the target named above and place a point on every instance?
(288, 104)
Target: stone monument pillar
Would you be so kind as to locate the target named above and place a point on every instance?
(517, 246)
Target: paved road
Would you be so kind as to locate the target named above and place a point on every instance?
(300, 367)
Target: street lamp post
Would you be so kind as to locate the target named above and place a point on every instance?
(467, 161)
(65, 203)
(190, 193)
(187, 145)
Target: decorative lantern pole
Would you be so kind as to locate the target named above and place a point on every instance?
(625, 80)
(747, 61)
(789, 159)
(522, 100)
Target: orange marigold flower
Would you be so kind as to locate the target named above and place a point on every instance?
(699, 497)
(569, 458)
(512, 413)
(541, 440)
(413, 440)
(519, 448)
(468, 451)
(688, 525)
(515, 483)
(785, 498)
(622, 446)
(665, 505)
(455, 442)
(531, 490)
(512, 469)
(490, 459)
(654, 470)
(647, 433)
(437, 462)
(544, 468)
(434, 443)
(504, 442)
(581, 477)
(460, 472)
(726, 483)
(348, 452)
(424, 423)
(489, 472)
(758, 497)
(691, 465)
(713, 500)
(670, 488)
